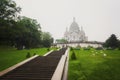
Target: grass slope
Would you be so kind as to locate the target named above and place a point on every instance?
(10, 56)
(92, 65)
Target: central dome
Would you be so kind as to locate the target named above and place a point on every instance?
(74, 26)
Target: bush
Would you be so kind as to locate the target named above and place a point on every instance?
(73, 56)
(34, 54)
(99, 48)
(77, 48)
(71, 48)
(28, 55)
(86, 48)
(119, 48)
(109, 48)
(90, 46)
(48, 49)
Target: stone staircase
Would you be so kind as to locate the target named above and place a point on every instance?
(39, 68)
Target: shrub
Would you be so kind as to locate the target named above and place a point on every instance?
(118, 48)
(48, 49)
(34, 54)
(71, 48)
(78, 46)
(73, 56)
(90, 46)
(86, 48)
(109, 48)
(28, 55)
(99, 48)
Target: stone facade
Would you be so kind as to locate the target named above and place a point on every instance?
(74, 34)
(81, 44)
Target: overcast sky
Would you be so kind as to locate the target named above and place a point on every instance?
(99, 18)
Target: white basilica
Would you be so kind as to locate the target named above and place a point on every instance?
(76, 37)
(74, 34)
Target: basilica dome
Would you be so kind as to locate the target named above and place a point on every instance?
(74, 26)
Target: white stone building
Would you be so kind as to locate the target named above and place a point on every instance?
(76, 37)
(74, 34)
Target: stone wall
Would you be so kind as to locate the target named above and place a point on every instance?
(95, 45)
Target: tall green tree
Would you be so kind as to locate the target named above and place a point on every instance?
(61, 41)
(28, 33)
(47, 39)
(8, 16)
(8, 9)
(112, 42)
(8, 12)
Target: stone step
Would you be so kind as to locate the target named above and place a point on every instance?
(40, 68)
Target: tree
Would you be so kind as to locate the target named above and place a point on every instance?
(112, 42)
(61, 41)
(8, 10)
(47, 39)
(8, 15)
(28, 33)
(20, 31)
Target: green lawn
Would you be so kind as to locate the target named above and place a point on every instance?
(10, 56)
(92, 65)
